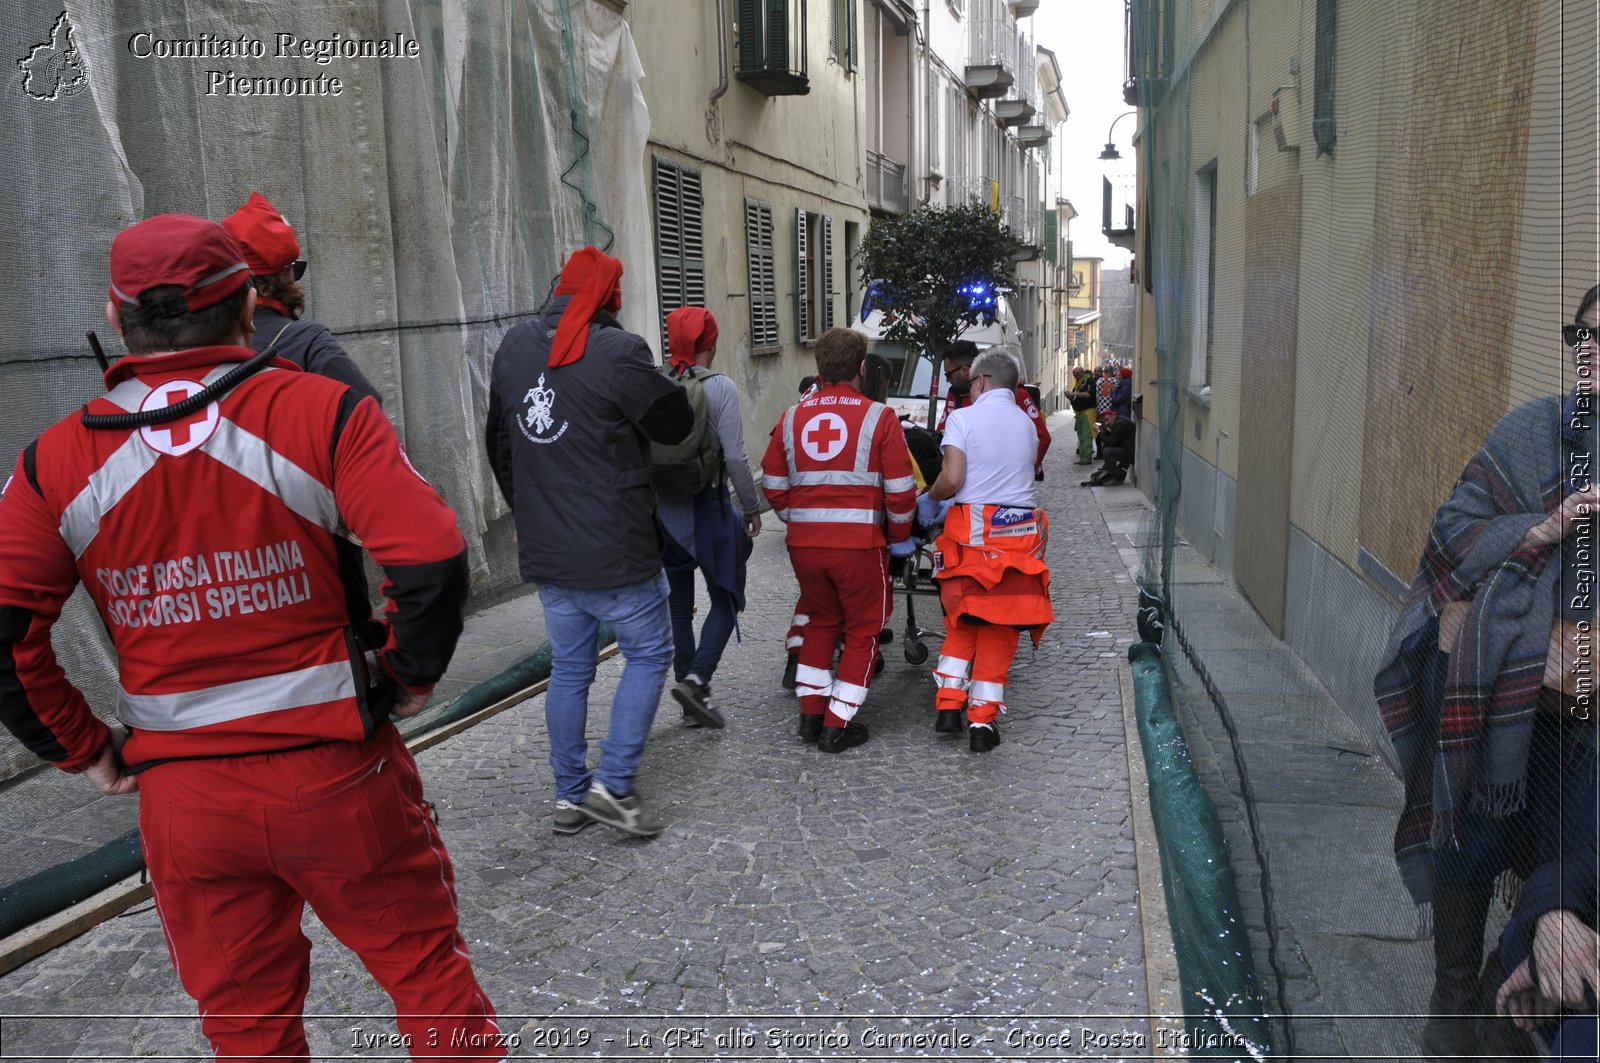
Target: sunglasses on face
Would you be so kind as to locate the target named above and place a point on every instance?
(1576, 334)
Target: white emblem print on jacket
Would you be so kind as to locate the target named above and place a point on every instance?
(538, 420)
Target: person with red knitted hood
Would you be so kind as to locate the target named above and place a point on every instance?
(703, 530)
(273, 254)
(208, 503)
(574, 402)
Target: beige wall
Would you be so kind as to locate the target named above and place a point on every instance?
(1453, 227)
(794, 152)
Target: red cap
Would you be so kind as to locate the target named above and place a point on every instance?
(268, 241)
(1125, 372)
(690, 330)
(194, 253)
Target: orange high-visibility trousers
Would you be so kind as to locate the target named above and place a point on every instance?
(974, 662)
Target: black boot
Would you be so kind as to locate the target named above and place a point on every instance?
(1458, 921)
(810, 727)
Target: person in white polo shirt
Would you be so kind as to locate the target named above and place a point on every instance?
(993, 580)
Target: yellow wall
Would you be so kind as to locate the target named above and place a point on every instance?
(1453, 227)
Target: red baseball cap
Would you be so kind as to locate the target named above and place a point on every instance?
(267, 239)
(196, 254)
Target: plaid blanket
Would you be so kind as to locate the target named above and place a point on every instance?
(1472, 745)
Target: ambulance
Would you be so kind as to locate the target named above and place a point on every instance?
(917, 382)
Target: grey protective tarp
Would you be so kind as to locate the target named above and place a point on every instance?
(435, 198)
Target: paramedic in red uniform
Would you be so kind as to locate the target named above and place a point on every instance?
(215, 539)
(958, 358)
(993, 581)
(838, 474)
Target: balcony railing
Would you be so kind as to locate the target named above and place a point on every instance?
(991, 56)
(972, 190)
(886, 183)
(1025, 222)
(1021, 101)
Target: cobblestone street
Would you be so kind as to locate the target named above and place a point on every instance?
(905, 898)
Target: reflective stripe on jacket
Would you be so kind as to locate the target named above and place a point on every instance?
(213, 548)
(838, 472)
(990, 566)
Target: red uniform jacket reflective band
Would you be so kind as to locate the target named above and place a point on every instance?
(212, 547)
(838, 472)
(991, 566)
(1024, 401)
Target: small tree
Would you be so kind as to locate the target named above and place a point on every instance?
(935, 273)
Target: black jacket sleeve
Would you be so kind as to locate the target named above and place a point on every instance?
(497, 442)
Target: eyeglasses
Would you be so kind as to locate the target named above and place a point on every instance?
(1576, 334)
(951, 373)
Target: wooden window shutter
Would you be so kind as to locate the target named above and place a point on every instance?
(833, 29)
(752, 33)
(669, 242)
(763, 289)
(680, 240)
(802, 286)
(827, 273)
(853, 55)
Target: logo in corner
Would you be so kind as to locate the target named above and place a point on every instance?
(54, 69)
(538, 420)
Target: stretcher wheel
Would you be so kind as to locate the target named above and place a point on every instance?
(916, 652)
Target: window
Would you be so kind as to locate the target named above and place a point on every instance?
(762, 277)
(813, 286)
(772, 46)
(680, 242)
(1204, 266)
(844, 34)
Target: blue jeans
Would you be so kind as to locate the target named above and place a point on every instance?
(688, 656)
(638, 615)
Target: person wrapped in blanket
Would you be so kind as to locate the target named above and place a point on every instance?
(993, 580)
(1486, 688)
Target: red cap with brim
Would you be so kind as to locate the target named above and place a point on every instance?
(196, 254)
(267, 240)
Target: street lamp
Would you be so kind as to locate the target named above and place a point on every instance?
(1111, 151)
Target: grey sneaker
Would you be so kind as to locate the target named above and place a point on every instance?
(695, 698)
(569, 818)
(624, 813)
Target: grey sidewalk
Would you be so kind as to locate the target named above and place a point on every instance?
(819, 897)
(1356, 970)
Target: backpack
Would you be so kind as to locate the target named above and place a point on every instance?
(688, 466)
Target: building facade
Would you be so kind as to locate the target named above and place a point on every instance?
(1354, 261)
(780, 128)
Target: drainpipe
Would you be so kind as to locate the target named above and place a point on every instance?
(928, 132)
(722, 52)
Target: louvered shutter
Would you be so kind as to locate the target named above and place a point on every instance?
(762, 282)
(777, 57)
(802, 278)
(680, 240)
(751, 33)
(827, 273)
(833, 29)
(852, 56)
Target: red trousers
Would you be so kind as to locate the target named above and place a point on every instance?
(974, 662)
(238, 846)
(848, 597)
